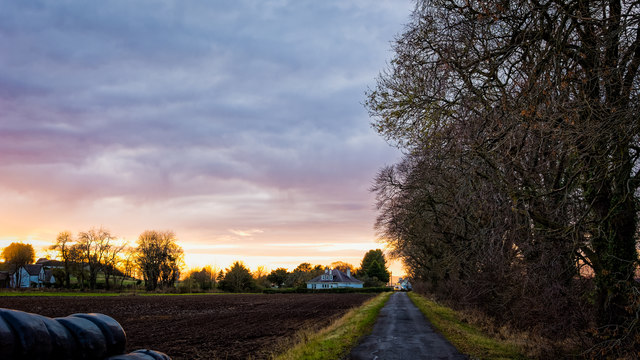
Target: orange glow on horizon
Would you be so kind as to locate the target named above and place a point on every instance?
(222, 256)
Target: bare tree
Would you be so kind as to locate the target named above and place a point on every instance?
(127, 263)
(530, 107)
(96, 246)
(159, 258)
(111, 262)
(63, 246)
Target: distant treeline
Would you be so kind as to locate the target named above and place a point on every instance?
(238, 278)
(95, 259)
(302, 290)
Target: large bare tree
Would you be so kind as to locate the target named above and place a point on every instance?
(63, 244)
(95, 245)
(159, 258)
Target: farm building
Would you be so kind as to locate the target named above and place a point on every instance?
(334, 279)
(33, 275)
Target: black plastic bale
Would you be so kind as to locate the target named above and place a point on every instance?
(64, 345)
(142, 354)
(33, 340)
(131, 356)
(26, 336)
(114, 335)
(7, 340)
(156, 355)
(90, 340)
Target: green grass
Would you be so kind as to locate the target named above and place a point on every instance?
(37, 292)
(334, 341)
(464, 336)
(56, 293)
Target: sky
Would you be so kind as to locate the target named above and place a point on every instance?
(239, 125)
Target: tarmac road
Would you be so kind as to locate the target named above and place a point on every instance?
(402, 332)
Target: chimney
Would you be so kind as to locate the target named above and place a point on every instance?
(348, 272)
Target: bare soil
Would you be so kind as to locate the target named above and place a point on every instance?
(203, 326)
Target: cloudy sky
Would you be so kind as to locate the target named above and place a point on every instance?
(237, 124)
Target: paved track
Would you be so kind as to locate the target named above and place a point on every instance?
(402, 332)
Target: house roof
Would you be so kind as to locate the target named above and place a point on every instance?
(338, 276)
(33, 269)
(49, 263)
(4, 275)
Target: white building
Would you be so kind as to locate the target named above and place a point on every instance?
(33, 275)
(27, 275)
(334, 279)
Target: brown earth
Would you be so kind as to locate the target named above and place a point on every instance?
(203, 326)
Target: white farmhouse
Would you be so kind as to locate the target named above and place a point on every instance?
(28, 275)
(334, 279)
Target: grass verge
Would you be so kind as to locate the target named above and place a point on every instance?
(54, 293)
(465, 337)
(335, 340)
(98, 293)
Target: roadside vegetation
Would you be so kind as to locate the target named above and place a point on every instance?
(468, 338)
(334, 341)
(518, 192)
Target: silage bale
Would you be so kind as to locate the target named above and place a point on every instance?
(90, 341)
(8, 342)
(31, 333)
(114, 335)
(63, 343)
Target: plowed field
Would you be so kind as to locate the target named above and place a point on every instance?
(203, 326)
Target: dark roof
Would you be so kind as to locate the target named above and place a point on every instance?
(33, 269)
(4, 275)
(338, 276)
(50, 263)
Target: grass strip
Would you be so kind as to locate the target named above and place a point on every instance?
(56, 293)
(343, 334)
(96, 293)
(464, 336)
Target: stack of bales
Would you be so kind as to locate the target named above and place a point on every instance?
(79, 336)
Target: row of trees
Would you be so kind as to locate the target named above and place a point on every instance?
(93, 252)
(159, 260)
(238, 278)
(157, 257)
(373, 271)
(518, 190)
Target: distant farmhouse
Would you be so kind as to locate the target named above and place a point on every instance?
(332, 279)
(33, 275)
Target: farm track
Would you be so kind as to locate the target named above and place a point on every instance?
(203, 326)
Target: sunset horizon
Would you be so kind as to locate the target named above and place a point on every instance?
(239, 127)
